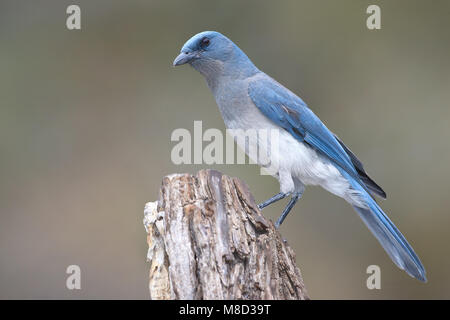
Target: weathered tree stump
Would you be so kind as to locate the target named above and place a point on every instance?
(208, 240)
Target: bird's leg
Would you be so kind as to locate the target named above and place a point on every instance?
(275, 198)
(288, 208)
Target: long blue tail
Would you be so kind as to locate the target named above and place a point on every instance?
(388, 235)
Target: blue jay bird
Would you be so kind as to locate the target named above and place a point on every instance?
(308, 152)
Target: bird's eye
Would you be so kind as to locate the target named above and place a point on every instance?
(205, 42)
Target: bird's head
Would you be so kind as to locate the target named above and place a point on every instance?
(211, 53)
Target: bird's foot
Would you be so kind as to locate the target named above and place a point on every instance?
(275, 198)
(287, 209)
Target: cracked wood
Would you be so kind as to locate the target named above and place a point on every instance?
(208, 240)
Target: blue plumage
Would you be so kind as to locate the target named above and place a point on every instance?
(308, 154)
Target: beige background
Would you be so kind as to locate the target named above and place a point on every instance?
(86, 118)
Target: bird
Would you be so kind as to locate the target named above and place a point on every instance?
(308, 152)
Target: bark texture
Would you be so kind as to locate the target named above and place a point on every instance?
(208, 240)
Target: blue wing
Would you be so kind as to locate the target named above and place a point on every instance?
(291, 113)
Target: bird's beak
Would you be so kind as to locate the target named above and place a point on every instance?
(184, 57)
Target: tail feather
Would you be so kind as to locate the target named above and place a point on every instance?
(390, 238)
(393, 242)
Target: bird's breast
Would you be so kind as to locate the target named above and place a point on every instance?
(236, 107)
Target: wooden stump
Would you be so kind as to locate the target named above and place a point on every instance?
(208, 240)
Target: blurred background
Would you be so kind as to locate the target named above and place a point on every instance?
(86, 118)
